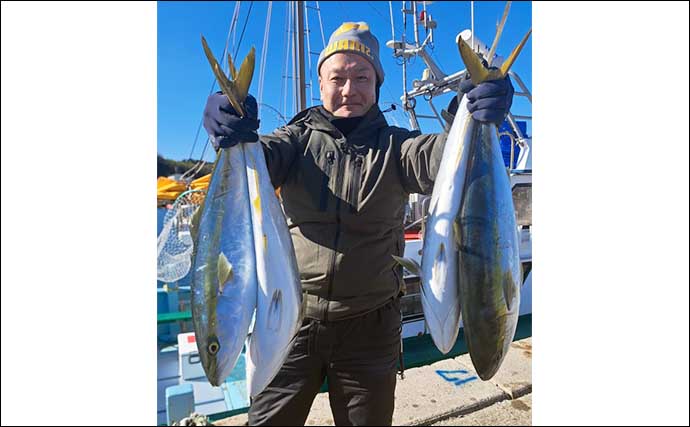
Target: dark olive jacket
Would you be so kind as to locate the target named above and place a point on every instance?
(345, 201)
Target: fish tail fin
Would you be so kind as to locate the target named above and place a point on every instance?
(226, 85)
(478, 71)
(237, 89)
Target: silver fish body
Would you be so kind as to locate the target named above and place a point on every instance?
(489, 269)
(224, 284)
(440, 292)
(279, 297)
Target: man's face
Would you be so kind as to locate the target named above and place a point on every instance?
(348, 85)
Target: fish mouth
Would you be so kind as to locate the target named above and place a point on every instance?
(216, 382)
(213, 371)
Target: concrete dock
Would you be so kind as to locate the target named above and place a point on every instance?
(449, 392)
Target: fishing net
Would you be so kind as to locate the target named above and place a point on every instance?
(175, 241)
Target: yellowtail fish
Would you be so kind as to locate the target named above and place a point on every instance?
(224, 283)
(485, 229)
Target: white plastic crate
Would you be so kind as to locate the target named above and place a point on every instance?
(188, 355)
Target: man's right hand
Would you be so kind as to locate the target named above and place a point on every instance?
(224, 125)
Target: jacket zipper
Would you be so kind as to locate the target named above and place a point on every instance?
(354, 183)
(331, 269)
(323, 197)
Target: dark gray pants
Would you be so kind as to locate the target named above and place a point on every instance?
(358, 357)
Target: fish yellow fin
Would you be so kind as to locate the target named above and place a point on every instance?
(231, 66)
(457, 233)
(224, 271)
(505, 67)
(509, 291)
(244, 78)
(479, 73)
(411, 265)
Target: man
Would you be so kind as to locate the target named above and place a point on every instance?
(345, 177)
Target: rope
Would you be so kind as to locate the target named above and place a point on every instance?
(246, 20)
(264, 52)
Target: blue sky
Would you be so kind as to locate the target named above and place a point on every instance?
(185, 78)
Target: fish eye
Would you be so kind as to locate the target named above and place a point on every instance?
(213, 346)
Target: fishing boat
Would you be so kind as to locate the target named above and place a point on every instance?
(182, 384)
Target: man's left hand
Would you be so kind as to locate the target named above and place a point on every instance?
(489, 101)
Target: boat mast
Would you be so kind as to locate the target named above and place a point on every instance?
(300, 84)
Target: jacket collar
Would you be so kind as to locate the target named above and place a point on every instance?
(317, 118)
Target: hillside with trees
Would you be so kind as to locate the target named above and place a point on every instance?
(167, 167)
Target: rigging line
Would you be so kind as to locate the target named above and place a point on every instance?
(396, 111)
(499, 31)
(282, 70)
(390, 8)
(191, 172)
(198, 129)
(246, 20)
(226, 49)
(208, 139)
(264, 52)
(472, 19)
(285, 121)
(286, 65)
(340, 15)
(233, 21)
(311, 73)
(323, 39)
(433, 53)
(233, 28)
(198, 167)
(293, 10)
(376, 10)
